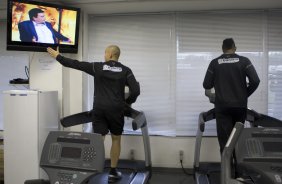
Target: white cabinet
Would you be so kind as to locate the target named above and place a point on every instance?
(28, 117)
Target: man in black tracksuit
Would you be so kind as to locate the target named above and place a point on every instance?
(227, 74)
(110, 79)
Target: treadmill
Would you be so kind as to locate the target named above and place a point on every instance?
(63, 156)
(133, 171)
(209, 172)
(71, 157)
(259, 155)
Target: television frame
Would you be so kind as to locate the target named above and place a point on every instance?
(40, 47)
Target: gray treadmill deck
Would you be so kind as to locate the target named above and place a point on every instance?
(128, 168)
(127, 176)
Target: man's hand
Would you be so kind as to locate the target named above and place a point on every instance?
(33, 39)
(53, 53)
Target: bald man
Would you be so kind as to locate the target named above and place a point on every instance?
(110, 79)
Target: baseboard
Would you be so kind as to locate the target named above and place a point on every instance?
(171, 170)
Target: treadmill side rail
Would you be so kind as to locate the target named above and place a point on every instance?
(227, 154)
(140, 178)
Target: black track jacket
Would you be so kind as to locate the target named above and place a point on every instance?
(110, 79)
(227, 74)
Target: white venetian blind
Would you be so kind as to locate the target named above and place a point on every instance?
(170, 53)
(147, 45)
(199, 40)
(275, 64)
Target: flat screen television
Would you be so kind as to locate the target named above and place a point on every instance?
(34, 26)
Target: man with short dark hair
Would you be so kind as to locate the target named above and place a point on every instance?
(38, 30)
(227, 74)
(110, 79)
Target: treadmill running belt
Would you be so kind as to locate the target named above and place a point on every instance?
(127, 176)
(214, 177)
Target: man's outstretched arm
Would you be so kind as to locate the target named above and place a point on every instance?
(67, 62)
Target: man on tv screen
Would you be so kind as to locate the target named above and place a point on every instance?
(38, 30)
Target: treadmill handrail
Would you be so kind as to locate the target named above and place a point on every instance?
(203, 118)
(227, 154)
(138, 118)
(252, 117)
(139, 121)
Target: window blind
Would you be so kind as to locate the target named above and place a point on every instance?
(275, 64)
(199, 40)
(147, 46)
(169, 55)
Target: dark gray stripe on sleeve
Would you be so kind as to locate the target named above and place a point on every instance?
(249, 66)
(129, 75)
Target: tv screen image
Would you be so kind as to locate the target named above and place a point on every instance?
(34, 26)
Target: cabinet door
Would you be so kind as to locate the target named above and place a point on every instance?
(21, 160)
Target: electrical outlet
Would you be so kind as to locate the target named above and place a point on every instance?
(132, 154)
(181, 154)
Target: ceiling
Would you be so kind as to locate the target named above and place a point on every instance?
(136, 6)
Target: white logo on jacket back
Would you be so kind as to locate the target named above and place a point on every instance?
(229, 60)
(113, 69)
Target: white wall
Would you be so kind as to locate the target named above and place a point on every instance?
(47, 74)
(3, 14)
(165, 150)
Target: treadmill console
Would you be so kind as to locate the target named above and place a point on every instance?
(259, 150)
(72, 157)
